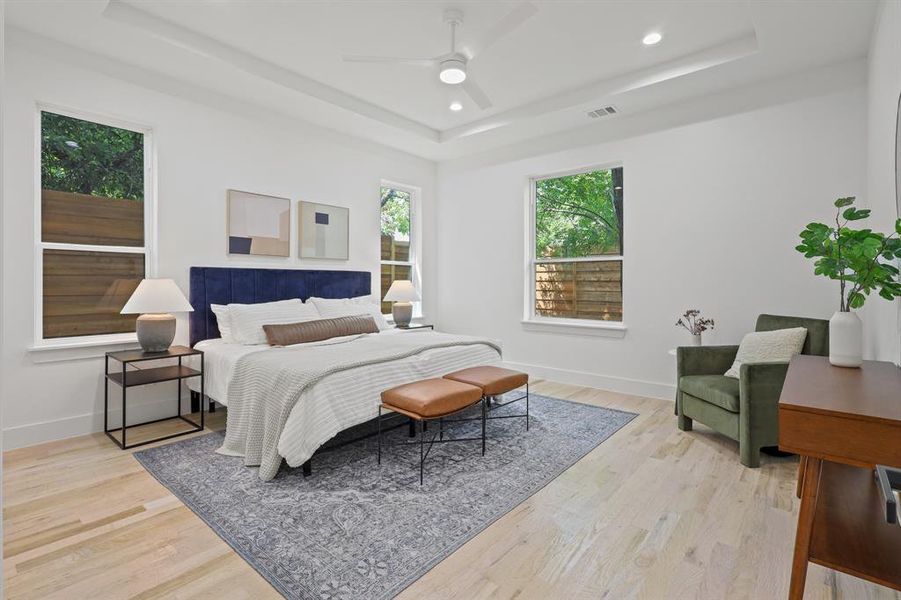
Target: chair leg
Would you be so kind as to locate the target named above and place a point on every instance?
(684, 423)
(750, 455)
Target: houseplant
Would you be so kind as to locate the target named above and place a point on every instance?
(861, 260)
(695, 324)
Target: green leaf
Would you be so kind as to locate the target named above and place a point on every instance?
(856, 300)
(844, 202)
(853, 214)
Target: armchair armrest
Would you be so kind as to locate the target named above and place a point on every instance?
(704, 360)
(761, 382)
(760, 385)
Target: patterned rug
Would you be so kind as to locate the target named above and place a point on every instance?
(358, 530)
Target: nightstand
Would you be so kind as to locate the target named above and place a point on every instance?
(137, 376)
(414, 327)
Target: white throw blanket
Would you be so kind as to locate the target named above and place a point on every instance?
(265, 386)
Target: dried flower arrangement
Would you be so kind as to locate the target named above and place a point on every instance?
(694, 323)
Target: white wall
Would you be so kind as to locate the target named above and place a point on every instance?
(712, 214)
(201, 152)
(881, 318)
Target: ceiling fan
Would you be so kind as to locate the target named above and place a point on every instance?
(452, 67)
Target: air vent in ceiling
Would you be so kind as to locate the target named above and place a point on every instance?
(606, 111)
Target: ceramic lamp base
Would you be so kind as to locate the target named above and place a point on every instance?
(403, 313)
(156, 332)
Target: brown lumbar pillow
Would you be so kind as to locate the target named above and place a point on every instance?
(316, 331)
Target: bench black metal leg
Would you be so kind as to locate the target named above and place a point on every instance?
(412, 432)
(307, 468)
(421, 449)
(527, 406)
(484, 417)
(195, 402)
(379, 419)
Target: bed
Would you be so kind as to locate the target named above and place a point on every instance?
(285, 403)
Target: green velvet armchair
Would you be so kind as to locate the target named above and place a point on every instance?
(744, 409)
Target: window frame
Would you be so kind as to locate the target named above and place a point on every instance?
(150, 227)
(532, 320)
(415, 244)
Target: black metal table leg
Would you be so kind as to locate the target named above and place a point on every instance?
(178, 383)
(124, 387)
(106, 393)
(202, 377)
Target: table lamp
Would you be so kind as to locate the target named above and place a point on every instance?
(403, 295)
(154, 299)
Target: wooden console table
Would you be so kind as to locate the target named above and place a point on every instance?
(842, 422)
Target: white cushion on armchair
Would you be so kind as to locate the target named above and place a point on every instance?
(768, 346)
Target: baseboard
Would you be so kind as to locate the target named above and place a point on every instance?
(623, 385)
(53, 430)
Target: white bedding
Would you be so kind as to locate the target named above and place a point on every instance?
(342, 399)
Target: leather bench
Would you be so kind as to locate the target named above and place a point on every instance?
(431, 399)
(495, 382)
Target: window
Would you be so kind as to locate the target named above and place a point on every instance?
(93, 248)
(398, 253)
(576, 250)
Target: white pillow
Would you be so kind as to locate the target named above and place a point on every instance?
(223, 321)
(247, 320)
(768, 346)
(331, 308)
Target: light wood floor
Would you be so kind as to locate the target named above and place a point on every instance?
(651, 513)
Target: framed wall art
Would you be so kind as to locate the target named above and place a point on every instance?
(258, 225)
(323, 231)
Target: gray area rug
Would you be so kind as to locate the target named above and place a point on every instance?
(357, 530)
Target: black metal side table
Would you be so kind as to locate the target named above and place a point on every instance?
(127, 378)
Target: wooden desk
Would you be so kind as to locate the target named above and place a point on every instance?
(842, 422)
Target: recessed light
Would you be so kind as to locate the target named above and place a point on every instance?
(455, 106)
(651, 38)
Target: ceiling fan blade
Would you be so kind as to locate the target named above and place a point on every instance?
(508, 23)
(475, 92)
(416, 62)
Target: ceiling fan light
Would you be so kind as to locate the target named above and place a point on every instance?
(453, 71)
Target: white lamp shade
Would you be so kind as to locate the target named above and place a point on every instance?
(156, 296)
(402, 290)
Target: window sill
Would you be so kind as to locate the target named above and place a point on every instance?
(600, 329)
(78, 349)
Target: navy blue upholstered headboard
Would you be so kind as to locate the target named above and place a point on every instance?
(225, 285)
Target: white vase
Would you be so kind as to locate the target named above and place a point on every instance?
(845, 339)
(695, 339)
